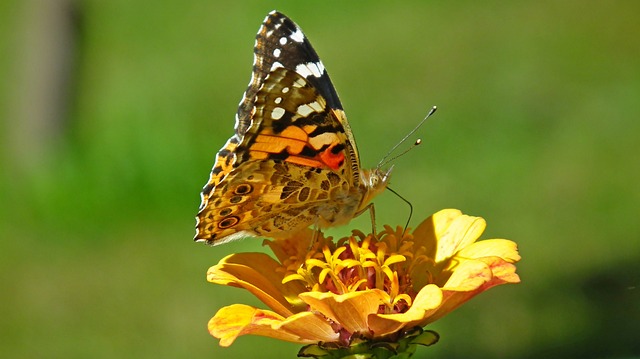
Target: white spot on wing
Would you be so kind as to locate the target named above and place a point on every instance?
(278, 100)
(285, 89)
(267, 17)
(303, 70)
(237, 125)
(310, 68)
(304, 110)
(277, 113)
(283, 40)
(308, 108)
(320, 67)
(316, 106)
(322, 139)
(276, 52)
(275, 66)
(297, 36)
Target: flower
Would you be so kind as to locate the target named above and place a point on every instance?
(362, 288)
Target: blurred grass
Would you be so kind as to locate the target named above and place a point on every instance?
(536, 131)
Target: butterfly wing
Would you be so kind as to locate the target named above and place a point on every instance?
(293, 150)
(281, 43)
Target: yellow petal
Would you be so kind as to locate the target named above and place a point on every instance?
(447, 231)
(310, 326)
(350, 310)
(469, 275)
(239, 319)
(233, 321)
(425, 234)
(256, 272)
(428, 299)
(503, 248)
(394, 258)
(453, 235)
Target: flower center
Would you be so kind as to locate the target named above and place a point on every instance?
(360, 263)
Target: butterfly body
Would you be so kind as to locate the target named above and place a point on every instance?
(292, 162)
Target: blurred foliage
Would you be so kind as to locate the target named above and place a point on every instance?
(537, 132)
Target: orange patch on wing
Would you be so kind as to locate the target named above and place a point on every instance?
(332, 160)
(292, 139)
(309, 128)
(259, 155)
(305, 161)
(295, 133)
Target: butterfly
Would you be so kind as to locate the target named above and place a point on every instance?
(292, 162)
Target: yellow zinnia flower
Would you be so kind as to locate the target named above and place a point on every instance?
(362, 289)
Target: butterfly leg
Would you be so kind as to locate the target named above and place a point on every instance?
(315, 236)
(372, 212)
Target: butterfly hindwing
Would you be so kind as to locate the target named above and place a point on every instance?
(268, 198)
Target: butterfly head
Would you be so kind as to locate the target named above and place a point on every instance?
(374, 182)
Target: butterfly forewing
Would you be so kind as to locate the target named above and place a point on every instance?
(292, 161)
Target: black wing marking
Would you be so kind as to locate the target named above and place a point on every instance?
(281, 43)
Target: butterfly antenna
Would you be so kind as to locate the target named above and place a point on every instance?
(386, 159)
(418, 141)
(410, 209)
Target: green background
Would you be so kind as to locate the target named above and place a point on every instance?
(112, 112)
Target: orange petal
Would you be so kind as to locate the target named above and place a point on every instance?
(256, 272)
(502, 270)
(470, 278)
(469, 275)
(350, 310)
(233, 321)
(295, 245)
(428, 299)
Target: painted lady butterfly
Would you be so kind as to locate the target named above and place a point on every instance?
(292, 162)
